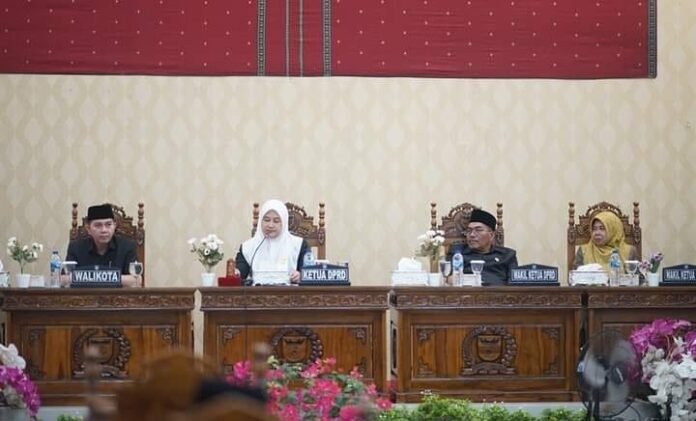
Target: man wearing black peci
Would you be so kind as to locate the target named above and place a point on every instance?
(101, 247)
(480, 235)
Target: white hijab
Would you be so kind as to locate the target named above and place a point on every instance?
(273, 251)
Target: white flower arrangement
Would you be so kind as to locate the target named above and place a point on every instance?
(23, 254)
(667, 348)
(430, 245)
(208, 250)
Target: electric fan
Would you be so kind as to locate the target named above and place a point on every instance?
(607, 379)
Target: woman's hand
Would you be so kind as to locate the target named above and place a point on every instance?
(295, 277)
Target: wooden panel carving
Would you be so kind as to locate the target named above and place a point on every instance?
(486, 298)
(300, 324)
(360, 334)
(489, 350)
(297, 345)
(35, 339)
(114, 351)
(53, 327)
(552, 332)
(424, 369)
(507, 343)
(229, 333)
(167, 334)
(306, 297)
(69, 299)
(640, 298)
(625, 309)
(424, 334)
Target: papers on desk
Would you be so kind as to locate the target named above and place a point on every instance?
(271, 277)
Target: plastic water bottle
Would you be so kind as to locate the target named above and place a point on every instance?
(55, 269)
(614, 267)
(457, 267)
(308, 259)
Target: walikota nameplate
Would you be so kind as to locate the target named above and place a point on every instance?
(324, 275)
(680, 275)
(96, 278)
(534, 274)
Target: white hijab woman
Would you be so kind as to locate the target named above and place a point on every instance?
(272, 247)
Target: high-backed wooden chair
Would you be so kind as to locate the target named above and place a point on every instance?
(581, 233)
(455, 223)
(124, 227)
(303, 226)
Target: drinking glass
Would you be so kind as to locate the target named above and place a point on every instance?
(631, 269)
(66, 269)
(477, 268)
(445, 269)
(135, 268)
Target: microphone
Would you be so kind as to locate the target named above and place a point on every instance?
(251, 263)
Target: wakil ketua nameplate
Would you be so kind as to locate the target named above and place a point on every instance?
(324, 275)
(96, 278)
(534, 275)
(680, 275)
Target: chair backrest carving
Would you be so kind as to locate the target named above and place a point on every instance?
(302, 225)
(580, 233)
(455, 223)
(125, 227)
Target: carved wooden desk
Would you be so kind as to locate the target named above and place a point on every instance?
(624, 308)
(53, 327)
(509, 343)
(300, 323)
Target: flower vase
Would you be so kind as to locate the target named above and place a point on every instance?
(653, 279)
(22, 280)
(434, 265)
(207, 279)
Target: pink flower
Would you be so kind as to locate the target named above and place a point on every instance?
(351, 413)
(317, 391)
(690, 342)
(15, 378)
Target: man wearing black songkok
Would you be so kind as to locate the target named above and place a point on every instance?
(480, 245)
(101, 247)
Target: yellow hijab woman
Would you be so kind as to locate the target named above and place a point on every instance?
(599, 248)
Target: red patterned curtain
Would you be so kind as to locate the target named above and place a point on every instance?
(422, 38)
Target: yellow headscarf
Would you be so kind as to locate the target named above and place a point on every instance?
(593, 253)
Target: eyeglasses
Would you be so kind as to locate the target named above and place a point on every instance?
(476, 231)
(100, 225)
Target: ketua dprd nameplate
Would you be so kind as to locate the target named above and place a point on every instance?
(324, 274)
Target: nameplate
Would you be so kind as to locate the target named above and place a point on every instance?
(324, 275)
(534, 275)
(680, 275)
(93, 278)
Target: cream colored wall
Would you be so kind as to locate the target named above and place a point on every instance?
(198, 151)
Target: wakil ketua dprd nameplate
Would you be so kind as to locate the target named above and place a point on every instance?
(324, 275)
(96, 278)
(534, 275)
(680, 275)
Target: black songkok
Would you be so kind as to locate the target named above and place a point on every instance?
(100, 212)
(480, 215)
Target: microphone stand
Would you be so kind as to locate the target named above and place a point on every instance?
(250, 278)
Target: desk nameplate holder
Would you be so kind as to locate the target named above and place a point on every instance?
(534, 274)
(324, 275)
(679, 276)
(93, 278)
